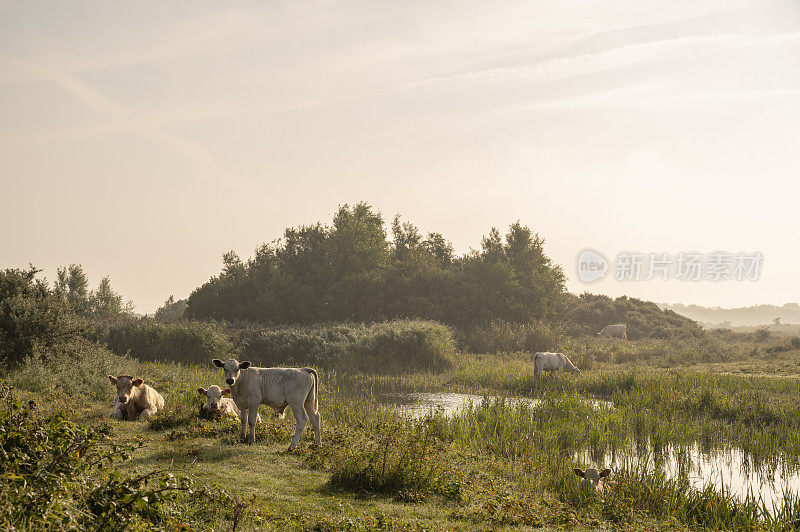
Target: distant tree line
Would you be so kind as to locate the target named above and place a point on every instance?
(352, 271)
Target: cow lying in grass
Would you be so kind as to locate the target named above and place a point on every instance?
(217, 403)
(134, 399)
(553, 362)
(277, 388)
(594, 478)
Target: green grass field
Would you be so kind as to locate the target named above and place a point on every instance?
(493, 465)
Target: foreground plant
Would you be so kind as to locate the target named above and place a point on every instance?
(54, 473)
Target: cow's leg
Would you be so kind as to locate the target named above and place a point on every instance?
(117, 414)
(302, 418)
(148, 413)
(315, 417)
(243, 431)
(253, 419)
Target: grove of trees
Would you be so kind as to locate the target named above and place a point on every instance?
(352, 270)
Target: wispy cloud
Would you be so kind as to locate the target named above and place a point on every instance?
(612, 59)
(125, 118)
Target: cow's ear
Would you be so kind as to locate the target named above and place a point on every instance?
(579, 472)
(137, 382)
(605, 472)
(217, 362)
(113, 379)
(226, 391)
(202, 391)
(244, 365)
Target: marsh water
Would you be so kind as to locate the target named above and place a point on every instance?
(730, 470)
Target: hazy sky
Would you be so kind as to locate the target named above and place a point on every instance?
(144, 139)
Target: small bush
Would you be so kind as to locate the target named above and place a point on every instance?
(407, 461)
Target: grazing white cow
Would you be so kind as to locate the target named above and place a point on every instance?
(553, 362)
(593, 477)
(618, 330)
(217, 402)
(134, 399)
(276, 388)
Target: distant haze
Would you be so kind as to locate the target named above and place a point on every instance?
(732, 317)
(144, 139)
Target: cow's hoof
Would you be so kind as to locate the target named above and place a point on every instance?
(291, 449)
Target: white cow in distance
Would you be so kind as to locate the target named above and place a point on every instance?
(553, 362)
(134, 399)
(593, 477)
(618, 330)
(277, 388)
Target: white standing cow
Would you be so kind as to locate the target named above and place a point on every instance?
(277, 388)
(134, 399)
(553, 362)
(593, 477)
(618, 330)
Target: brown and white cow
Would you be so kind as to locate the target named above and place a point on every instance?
(134, 399)
(218, 402)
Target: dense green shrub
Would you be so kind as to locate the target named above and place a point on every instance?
(32, 317)
(386, 347)
(57, 474)
(183, 341)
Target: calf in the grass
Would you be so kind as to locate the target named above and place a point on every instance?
(134, 399)
(277, 388)
(217, 403)
(594, 478)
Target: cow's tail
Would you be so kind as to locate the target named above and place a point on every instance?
(313, 373)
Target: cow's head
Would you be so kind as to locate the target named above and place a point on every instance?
(593, 477)
(212, 397)
(231, 369)
(125, 385)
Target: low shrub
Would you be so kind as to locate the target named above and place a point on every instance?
(406, 460)
(182, 341)
(388, 347)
